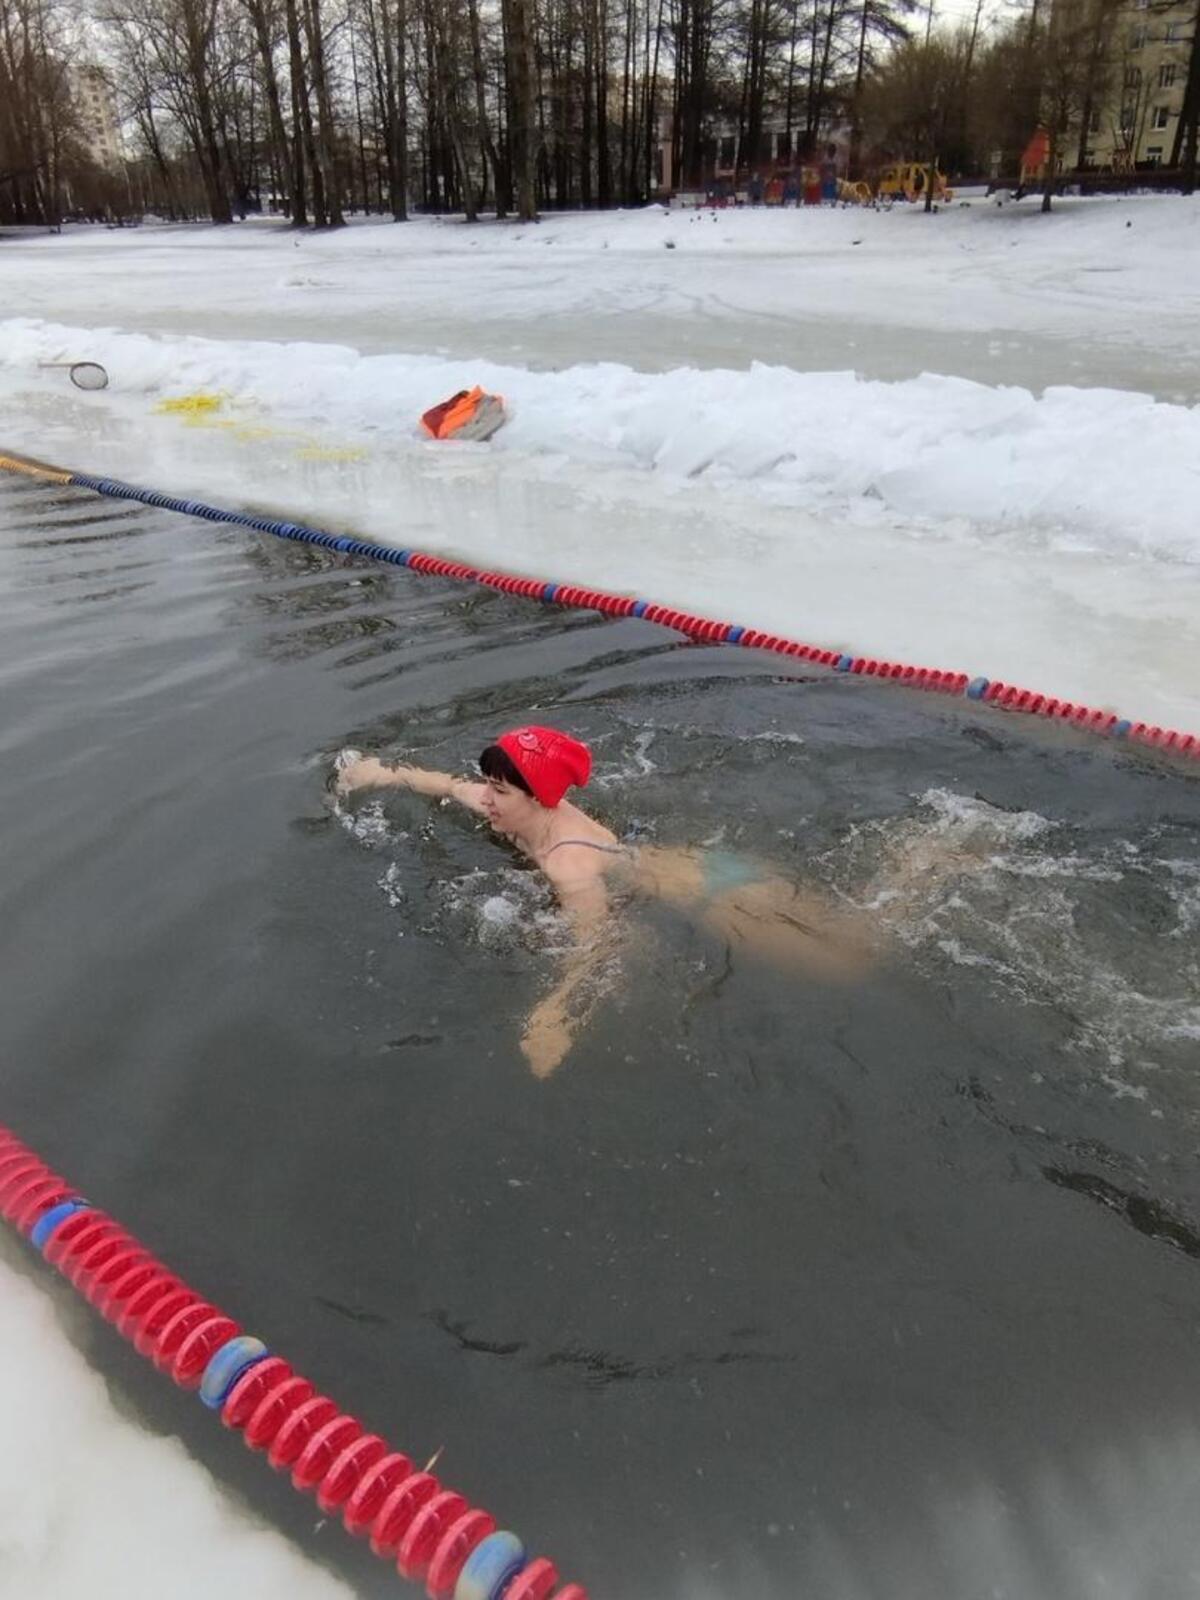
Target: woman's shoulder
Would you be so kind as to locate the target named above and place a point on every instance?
(580, 847)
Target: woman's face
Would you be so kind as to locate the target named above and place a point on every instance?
(506, 807)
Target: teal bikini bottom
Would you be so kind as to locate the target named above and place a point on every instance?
(723, 871)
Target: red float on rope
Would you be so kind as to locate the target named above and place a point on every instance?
(535, 1583)
(348, 1468)
(251, 1389)
(425, 1532)
(373, 1488)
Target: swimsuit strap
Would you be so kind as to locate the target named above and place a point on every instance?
(592, 844)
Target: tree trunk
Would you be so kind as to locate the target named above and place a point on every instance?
(440, 22)
(860, 68)
(299, 106)
(652, 97)
(603, 154)
(518, 31)
(325, 148)
(198, 31)
(487, 143)
(585, 129)
(1051, 164)
(262, 40)
(360, 137)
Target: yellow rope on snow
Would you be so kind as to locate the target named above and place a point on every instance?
(29, 468)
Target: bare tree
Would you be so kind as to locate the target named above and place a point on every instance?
(522, 109)
(37, 124)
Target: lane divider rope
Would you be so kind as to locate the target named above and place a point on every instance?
(431, 1533)
(987, 691)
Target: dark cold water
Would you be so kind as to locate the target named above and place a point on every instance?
(775, 1289)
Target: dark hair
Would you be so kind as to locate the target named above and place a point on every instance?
(497, 763)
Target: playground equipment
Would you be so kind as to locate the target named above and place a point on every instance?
(1034, 158)
(906, 180)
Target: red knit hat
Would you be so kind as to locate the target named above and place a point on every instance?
(549, 761)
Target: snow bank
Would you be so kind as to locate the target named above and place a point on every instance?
(1114, 469)
(94, 1507)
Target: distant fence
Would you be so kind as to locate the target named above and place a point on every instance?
(1155, 179)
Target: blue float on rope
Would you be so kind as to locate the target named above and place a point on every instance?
(226, 1367)
(734, 636)
(639, 610)
(1121, 728)
(977, 688)
(491, 1567)
(843, 663)
(47, 1224)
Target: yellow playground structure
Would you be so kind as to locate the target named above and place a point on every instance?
(906, 180)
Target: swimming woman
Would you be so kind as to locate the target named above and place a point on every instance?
(526, 774)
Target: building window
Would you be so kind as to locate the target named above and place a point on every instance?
(785, 146)
(727, 151)
(1137, 38)
(1133, 76)
(1094, 122)
(1126, 119)
(1161, 115)
(1154, 155)
(1175, 32)
(1166, 76)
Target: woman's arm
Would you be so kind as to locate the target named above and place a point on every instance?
(368, 773)
(553, 1023)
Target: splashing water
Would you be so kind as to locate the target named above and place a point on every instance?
(1049, 917)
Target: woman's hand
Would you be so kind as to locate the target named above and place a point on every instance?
(365, 772)
(547, 1036)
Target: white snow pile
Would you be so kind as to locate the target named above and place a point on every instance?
(100, 1509)
(1107, 467)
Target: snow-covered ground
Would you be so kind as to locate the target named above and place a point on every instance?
(968, 440)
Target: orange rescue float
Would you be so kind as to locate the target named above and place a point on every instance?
(469, 414)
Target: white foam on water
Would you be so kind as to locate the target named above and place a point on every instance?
(635, 764)
(503, 909)
(95, 1507)
(1002, 892)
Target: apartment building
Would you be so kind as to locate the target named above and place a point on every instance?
(96, 111)
(1136, 125)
